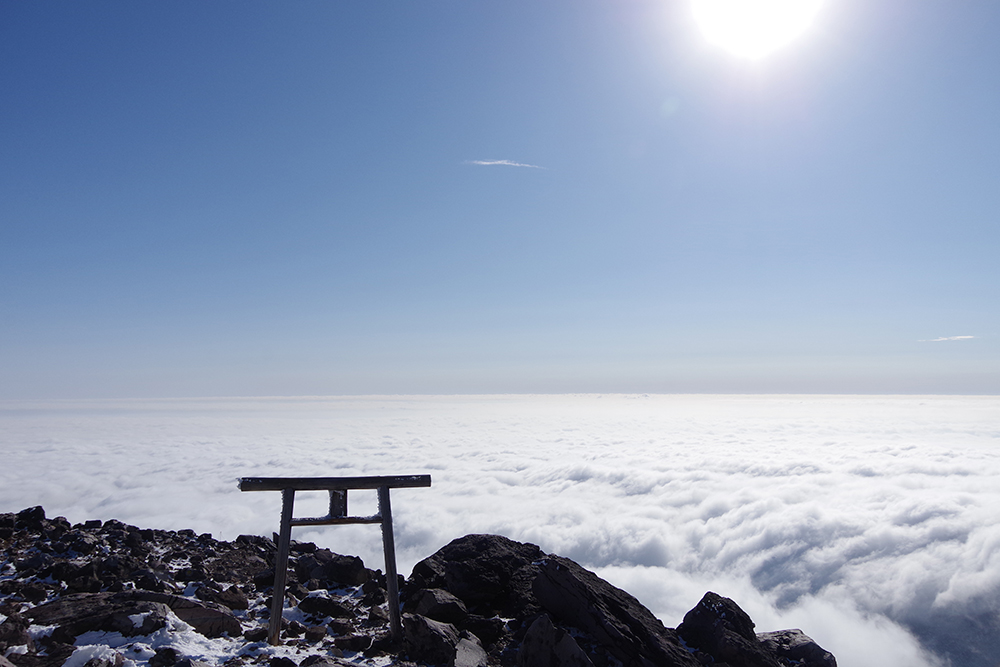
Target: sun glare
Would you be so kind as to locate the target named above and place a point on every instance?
(754, 28)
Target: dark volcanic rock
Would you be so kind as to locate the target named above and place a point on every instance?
(191, 662)
(566, 615)
(490, 630)
(209, 619)
(239, 565)
(325, 661)
(329, 568)
(14, 632)
(230, 597)
(797, 648)
(430, 640)
(30, 519)
(258, 634)
(712, 612)
(55, 655)
(545, 645)
(98, 612)
(264, 579)
(164, 657)
(324, 606)
(482, 570)
(480, 601)
(615, 619)
(353, 642)
(718, 627)
(116, 659)
(440, 605)
(110, 612)
(35, 563)
(152, 580)
(469, 653)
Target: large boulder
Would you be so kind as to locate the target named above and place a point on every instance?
(116, 612)
(14, 632)
(427, 640)
(78, 613)
(487, 572)
(331, 569)
(797, 648)
(719, 628)
(230, 597)
(439, 643)
(54, 656)
(211, 620)
(440, 605)
(545, 645)
(320, 605)
(469, 653)
(614, 619)
(31, 518)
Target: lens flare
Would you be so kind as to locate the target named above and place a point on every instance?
(754, 28)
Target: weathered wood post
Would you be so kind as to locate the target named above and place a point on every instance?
(281, 566)
(338, 487)
(389, 550)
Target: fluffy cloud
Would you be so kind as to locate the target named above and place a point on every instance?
(869, 522)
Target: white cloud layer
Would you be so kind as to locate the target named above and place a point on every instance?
(505, 163)
(872, 523)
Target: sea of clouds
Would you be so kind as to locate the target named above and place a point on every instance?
(871, 522)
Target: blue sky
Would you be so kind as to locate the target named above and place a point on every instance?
(201, 199)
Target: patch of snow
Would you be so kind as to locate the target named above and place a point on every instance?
(84, 654)
(138, 619)
(39, 631)
(177, 635)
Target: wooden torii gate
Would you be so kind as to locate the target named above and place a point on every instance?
(338, 487)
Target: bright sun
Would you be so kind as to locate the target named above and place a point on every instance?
(754, 28)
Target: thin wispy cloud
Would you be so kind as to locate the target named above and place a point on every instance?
(938, 340)
(503, 163)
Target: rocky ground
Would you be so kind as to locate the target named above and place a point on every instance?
(106, 594)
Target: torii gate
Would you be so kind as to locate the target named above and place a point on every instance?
(338, 487)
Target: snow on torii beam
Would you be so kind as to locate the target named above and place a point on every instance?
(338, 487)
